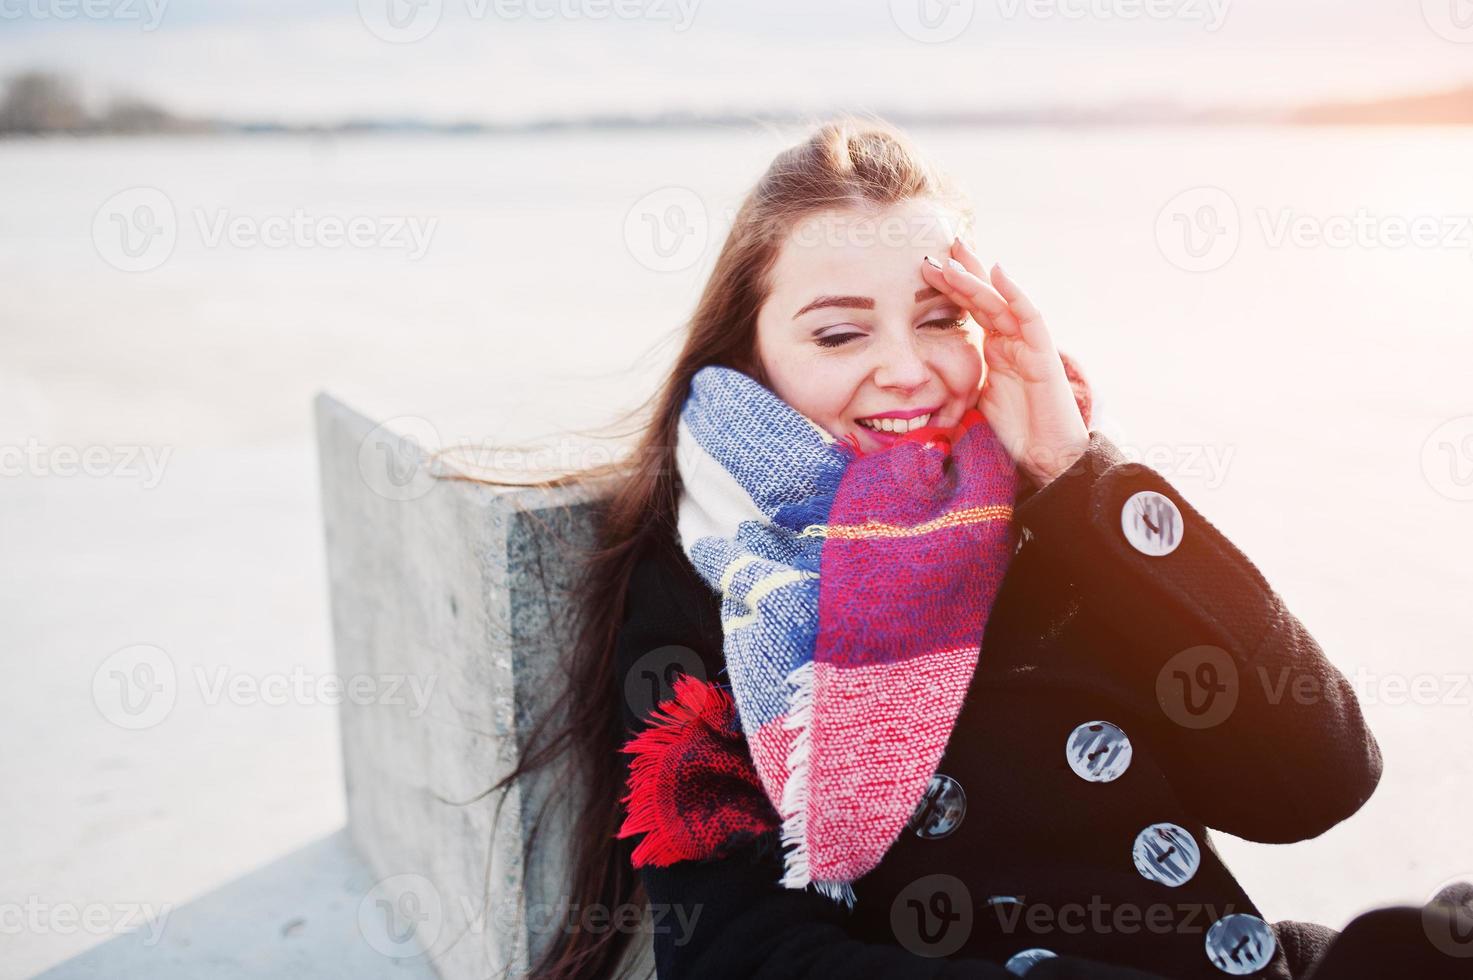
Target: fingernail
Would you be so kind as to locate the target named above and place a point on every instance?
(956, 265)
(931, 262)
(999, 268)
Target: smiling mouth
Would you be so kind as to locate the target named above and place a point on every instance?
(894, 426)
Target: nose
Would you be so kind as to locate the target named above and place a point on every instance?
(899, 363)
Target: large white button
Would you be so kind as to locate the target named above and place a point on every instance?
(1020, 963)
(1098, 751)
(1166, 853)
(1240, 944)
(940, 810)
(1152, 523)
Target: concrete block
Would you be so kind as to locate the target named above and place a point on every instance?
(450, 604)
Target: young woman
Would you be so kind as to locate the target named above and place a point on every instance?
(907, 671)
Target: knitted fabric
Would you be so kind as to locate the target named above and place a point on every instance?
(855, 589)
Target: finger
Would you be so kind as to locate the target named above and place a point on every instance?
(981, 296)
(933, 275)
(1022, 306)
(968, 257)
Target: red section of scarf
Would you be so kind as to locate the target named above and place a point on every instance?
(693, 790)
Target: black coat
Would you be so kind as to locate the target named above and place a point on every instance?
(1234, 717)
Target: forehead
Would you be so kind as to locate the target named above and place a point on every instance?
(831, 248)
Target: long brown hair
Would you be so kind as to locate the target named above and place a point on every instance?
(851, 162)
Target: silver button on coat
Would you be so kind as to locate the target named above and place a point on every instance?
(1166, 853)
(1152, 523)
(1019, 963)
(1240, 944)
(1098, 751)
(940, 810)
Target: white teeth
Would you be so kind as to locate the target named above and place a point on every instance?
(896, 425)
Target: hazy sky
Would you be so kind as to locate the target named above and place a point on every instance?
(305, 60)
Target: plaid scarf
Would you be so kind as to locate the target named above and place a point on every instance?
(855, 592)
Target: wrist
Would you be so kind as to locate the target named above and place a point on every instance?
(1046, 465)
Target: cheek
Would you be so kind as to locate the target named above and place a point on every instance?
(820, 391)
(963, 367)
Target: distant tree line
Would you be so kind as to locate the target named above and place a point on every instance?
(45, 102)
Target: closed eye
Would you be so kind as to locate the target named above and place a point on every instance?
(956, 323)
(838, 340)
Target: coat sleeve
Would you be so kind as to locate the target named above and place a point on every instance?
(1261, 735)
(730, 916)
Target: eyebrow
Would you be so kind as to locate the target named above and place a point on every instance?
(859, 302)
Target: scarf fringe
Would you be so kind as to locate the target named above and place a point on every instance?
(693, 722)
(795, 792)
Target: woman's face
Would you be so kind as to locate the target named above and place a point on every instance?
(850, 331)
